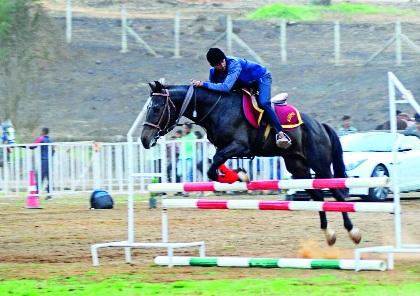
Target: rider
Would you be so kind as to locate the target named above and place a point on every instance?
(228, 70)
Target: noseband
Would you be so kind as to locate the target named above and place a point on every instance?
(169, 104)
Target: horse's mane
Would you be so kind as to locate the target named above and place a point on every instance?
(199, 89)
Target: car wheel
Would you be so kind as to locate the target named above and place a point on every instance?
(378, 193)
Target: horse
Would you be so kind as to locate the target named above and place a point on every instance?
(314, 145)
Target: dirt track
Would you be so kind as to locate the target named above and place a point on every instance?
(56, 240)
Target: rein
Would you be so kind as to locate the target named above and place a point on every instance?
(169, 104)
(211, 110)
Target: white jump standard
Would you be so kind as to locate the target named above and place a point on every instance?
(131, 242)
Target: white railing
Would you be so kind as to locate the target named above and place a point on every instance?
(84, 166)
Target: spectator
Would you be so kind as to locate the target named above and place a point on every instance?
(414, 130)
(404, 116)
(2, 134)
(346, 126)
(176, 136)
(7, 136)
(199, 151)
(401, 124)
(45, 139)
(188, 150)
(1, 142)
(8, 132)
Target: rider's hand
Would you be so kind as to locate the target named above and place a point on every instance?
(196, 83)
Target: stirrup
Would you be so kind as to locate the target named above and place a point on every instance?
(283, 140)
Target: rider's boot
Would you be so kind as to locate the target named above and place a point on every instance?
(282, 140)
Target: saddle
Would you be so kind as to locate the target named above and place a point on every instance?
(287, 114)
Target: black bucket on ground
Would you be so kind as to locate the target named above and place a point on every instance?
(100, 199)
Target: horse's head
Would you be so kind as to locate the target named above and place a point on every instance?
(160, 115)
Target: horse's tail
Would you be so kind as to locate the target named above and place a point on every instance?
(337, 153)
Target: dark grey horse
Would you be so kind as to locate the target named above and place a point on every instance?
(315, 146)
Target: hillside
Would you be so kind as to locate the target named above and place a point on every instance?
(95, 92)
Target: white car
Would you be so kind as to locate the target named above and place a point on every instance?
(370, 155)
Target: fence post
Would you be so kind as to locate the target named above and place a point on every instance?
(123, 29)
(337, 49)
(398, 52)
(68, 21)
(6, 172)
(283, 41)
(229, 34)
(176, 37)
(96, 166)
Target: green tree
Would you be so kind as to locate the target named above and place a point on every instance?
(23, 48)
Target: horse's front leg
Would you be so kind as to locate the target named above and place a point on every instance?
(235, 149)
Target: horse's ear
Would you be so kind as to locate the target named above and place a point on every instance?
(159, 86)
(152, 87)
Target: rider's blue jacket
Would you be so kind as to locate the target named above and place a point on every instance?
(240, 71)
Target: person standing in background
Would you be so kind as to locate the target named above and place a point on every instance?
(173, 164)
(414, 130)
(8, 132)
(188, 150)
(7, 137)
(346, 126)
(45, 139)
(199, 152)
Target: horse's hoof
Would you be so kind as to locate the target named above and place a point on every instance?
(330, 236)
(243, 176)
(355, 235)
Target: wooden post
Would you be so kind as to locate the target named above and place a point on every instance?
(398, 52)
(283, 41)
(337, 49)
(123, 29)
(176, 37)
(68, 21)
(229, 34)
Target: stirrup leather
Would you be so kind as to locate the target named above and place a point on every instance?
(283, 140)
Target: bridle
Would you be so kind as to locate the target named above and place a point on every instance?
(169, 104)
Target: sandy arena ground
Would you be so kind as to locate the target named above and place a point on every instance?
(55, 241)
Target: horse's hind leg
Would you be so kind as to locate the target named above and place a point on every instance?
(354, 232)
(297, 166)
(340, 196)
(329, 233)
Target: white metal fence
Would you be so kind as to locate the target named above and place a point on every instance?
(84, 166)
(300, 42)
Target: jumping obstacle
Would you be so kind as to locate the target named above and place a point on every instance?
(397, 247)
(335, 183)
(206, 204)
(347, 264)
(278, 205)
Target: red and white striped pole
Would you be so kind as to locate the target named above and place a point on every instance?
(271, 185)
(276, 205)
